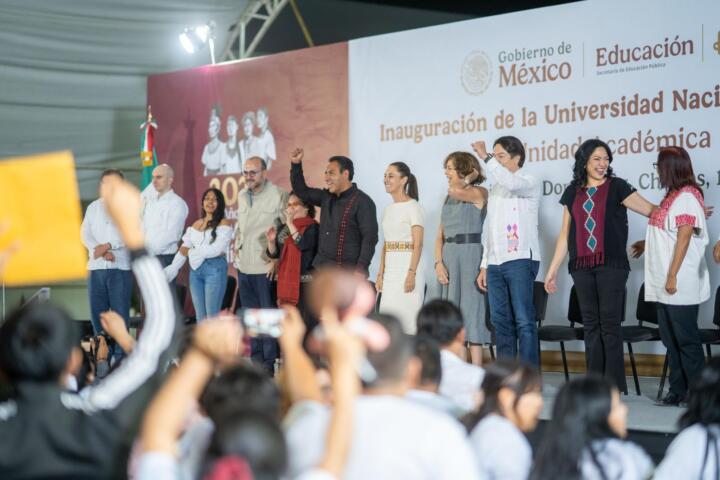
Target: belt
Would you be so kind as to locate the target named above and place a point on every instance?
(465, 238)
(306, 278)
(398, 246)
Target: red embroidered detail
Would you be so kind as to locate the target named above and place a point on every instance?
(657, 219)
(343, 228)
(684, 219)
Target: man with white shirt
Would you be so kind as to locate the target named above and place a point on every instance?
(425, 387)
(392, 437)
(443, 322)
(163, 216)
(110, 282)
(511, 251)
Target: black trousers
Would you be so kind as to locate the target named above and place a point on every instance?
(680, 335)
(600, 292)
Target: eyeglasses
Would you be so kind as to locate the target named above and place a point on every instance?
(251, 173)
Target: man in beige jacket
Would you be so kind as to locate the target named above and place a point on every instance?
(260, 203)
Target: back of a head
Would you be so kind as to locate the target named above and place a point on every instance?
(240, 387)
(704, 397)
(255, 437)
(513, 374)
(36, 342)
(391, 363)
(580, 416)
(440, 320)
(427, 351)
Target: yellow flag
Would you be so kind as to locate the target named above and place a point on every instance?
(40, 213)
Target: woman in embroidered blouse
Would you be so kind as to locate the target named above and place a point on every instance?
(295, 244)
(595, 231)
(676, 273)
(205, 244)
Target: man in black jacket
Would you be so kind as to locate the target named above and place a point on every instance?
(46, 432)
(348, 222)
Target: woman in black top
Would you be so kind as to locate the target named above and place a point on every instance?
(595, 231)
(295, 243)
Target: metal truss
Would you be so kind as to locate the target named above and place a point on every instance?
(257, 17)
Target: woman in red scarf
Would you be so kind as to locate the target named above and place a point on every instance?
(295, 243)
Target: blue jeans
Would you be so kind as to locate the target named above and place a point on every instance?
(207, 287)
(510, 292)
(109, 289)
(256, 292)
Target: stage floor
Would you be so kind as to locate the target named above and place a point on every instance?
(643, 414)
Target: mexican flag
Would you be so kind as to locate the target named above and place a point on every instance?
(147, 150)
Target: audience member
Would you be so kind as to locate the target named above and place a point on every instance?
(511, 407)
(425, 385)
(443, 322)
(57, 434)
(695, 452)
(585, 438)
(392, 437)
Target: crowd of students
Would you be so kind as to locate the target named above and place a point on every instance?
(360, 400)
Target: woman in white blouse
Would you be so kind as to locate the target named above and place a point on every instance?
(585, 438)
(676, 273)
(695, 452)
(205, 245)
(511, 406)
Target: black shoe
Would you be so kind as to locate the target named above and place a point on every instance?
(670, 400)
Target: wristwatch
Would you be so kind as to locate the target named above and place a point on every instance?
(487, 159)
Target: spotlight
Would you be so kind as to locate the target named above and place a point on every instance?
(194, 39)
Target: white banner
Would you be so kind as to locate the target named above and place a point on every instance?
(637, 75)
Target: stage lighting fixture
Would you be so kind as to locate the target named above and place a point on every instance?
(193, 39)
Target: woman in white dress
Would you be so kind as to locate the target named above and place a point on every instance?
(401, 284)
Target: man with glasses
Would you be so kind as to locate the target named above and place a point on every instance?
(260, 203)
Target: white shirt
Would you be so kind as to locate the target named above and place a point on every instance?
(266, 146)
(685, 207)
(687, 454)
(501, 450)
(98, 228)
(460, 381)
(436, 402)
(619, 459)
(392, 438)
(510, 231)
(201, 246)
(163, 222)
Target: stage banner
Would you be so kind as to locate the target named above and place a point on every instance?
(639, 75)
(215, 117)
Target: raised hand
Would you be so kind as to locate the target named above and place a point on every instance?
(297, 155)
(480, 149)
